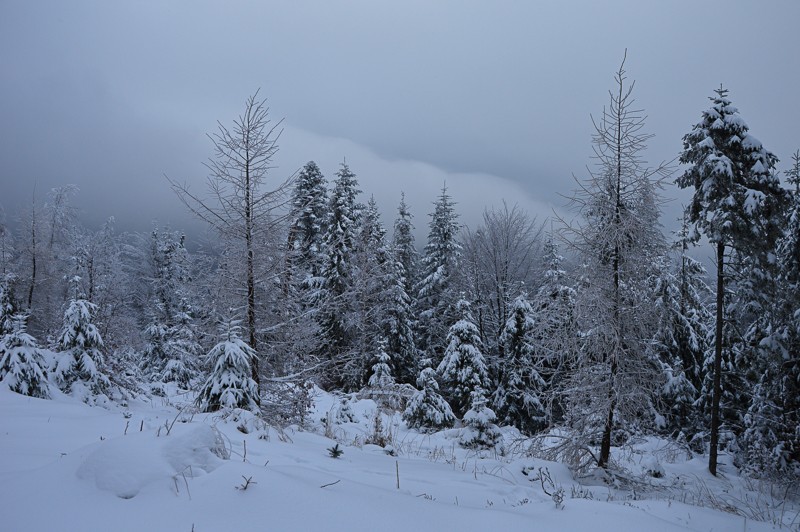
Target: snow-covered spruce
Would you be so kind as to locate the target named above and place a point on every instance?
(518, 396)
(80, 361)
(7, 306)
(463, 368)
(381, 371)
(427, 410)
(21, 364)
(230, 384)
(480, 431)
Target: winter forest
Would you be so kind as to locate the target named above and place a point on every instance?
(563, 339)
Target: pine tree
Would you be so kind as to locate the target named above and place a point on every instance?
(80, 362)
(230, 384)
(737, 197)
(427, 410)
(463, 368)
(436, 291)
(518, 398)
(398, 324)
(21, 363)
(337, 304)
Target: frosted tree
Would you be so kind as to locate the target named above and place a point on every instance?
(399, 322)
(437, 289)
(8, 307)
(501, 259)
(371, 283)
(21, 363)
(681, 339)
(403, 245)
(336, 304)
(80, 361)
(307, 223)
(427, 410)
(480, 431)
(248, 216)
(619, 239)
(518, 397)
(771, 440)
(463, 368)
(230, 384)
(172, 350)
(736, 197)
(381, 370)
(554, 337)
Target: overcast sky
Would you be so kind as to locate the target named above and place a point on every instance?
(494, 97)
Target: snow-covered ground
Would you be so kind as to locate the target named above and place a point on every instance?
(150, 466)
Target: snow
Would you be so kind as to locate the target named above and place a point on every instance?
(67, 465)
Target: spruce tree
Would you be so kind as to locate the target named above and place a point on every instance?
(381, 370)
(8, 307)
(230, 384)
(427, 410)
(480, 431)
(463, 368)
(336, 306)
(519, 396)
(21, 363)
(436, 291)
(403, 245)
(80, 361)
(308, 221)
(771, 440)
(736, 199)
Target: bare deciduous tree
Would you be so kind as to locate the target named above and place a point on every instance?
(237, 206)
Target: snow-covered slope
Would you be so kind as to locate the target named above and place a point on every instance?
(68, 466)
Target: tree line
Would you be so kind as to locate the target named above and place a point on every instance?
(492, 325)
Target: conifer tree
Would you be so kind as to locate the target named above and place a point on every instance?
(518, 398)
(555, 330)
(21, 363)
(463, 368)
(230, 384)
(619, 240)
(8, 307)
(403, 245)
(80, 362)
(308, 220)
(480, 431)
(381, 370)
(736, 198)
(336, 306)
(427, 410)
(771, 440)
(436, 291)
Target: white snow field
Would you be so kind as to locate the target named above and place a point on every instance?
(68, 466)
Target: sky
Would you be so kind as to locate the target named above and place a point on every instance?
(493, 98)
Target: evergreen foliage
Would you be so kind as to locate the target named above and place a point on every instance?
(737, 204)
(427, 410)
(230, 384)
(463, 368)
(518, 398)
(436, 292)
(21, 363)
(81, 360)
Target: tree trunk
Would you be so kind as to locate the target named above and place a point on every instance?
(715, 421)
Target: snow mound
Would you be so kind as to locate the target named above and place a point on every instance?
(126, 465)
